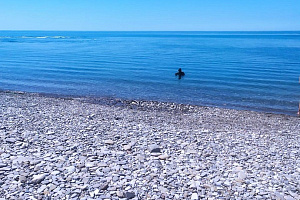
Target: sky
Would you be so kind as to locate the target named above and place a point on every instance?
(150, 15)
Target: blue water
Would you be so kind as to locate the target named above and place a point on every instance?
(241, 70)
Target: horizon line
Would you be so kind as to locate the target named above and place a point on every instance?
(160, 30)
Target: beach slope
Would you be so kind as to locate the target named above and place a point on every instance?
(80, 148)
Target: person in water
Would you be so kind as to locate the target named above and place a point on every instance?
(180, 73)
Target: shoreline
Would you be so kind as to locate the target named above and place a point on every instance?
(142, 104)
(78, 148)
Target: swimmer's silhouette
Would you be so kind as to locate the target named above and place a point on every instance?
(180, 73)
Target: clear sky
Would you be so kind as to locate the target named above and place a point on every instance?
(150, 15)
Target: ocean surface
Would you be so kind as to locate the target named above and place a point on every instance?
(241, 70)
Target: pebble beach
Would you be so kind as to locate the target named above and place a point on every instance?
(84, 148)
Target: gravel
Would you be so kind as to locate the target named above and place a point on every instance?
(84, 148)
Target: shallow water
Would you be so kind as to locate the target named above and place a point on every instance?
(242, 70)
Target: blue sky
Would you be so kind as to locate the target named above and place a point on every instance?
(150, 15)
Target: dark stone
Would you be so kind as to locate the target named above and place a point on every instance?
(155, 150)
(104, 186)
(129, 195)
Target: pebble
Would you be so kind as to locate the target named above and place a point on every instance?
(89, 164)
(242, 175)
(120, 194)
(69, 148)
(194, 196)
(127, 147)
(38, 178)
(163, 157)
(22, 179)
(103, 186)
(41, 189)
(154, 148)
(110, 142)
(3, 165)
(102, 164)
(10, 140)
(70, 169)
(129, 195)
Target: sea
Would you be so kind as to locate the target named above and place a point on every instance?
(257, 71)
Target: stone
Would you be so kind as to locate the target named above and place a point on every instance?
(194, 196)
(3, 165)
(52, 187)
(50, 133)
(287, 197)
(56, 172)
(10, 140)
(89, 164)
(106, 170)
(84, 187)
(85, 180)
(102, 164)
(41, 189)
(21, 159)
(154, 148)
(22, 179)
(227, 183)
(37, 168)
(110, 142)
(120, 194)
(129, 195)
(241, 175)
(103, 186)
(127, 147)
(115, 178)
(191, 151)
(92, 194)
(99, 173)
(122, 162)
(38, 178)
(5, 169)
(163, 157)
(96, 192)
(70, 169)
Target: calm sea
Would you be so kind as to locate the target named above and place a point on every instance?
(241, 70)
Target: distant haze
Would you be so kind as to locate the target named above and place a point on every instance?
(150, 15)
